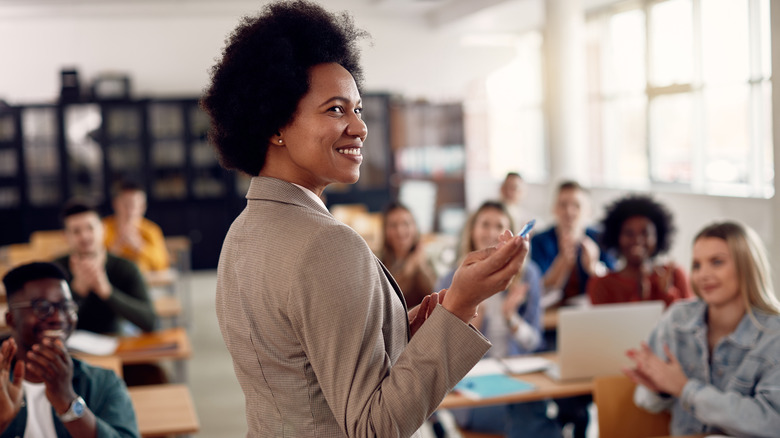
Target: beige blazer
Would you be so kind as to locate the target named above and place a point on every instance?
(318, 331)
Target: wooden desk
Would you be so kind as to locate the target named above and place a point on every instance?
(164, 278)
(173, 344)
(164, 410)
(167, 307)
(545, 388)
(169, 344)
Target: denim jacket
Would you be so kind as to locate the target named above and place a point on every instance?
(737, 391)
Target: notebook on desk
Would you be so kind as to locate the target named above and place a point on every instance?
(592, 341)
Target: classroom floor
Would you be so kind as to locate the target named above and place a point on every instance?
(218, 397)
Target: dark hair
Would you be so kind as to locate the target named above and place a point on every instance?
(127, 185)
(638, 205)
(512, 174)
(264, 73)
(77, 206)
(570, 185)
(16, 278)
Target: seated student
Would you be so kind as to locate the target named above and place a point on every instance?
(130, 235)
(512, 191)
(47, 393)
(107, 288)
(640, 229)
(567, 252)
(511, 320)
(568, 255)
(715, 362)
(404, 256)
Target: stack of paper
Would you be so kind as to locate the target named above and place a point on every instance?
(92, 343)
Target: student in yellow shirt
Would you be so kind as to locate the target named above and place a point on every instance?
(130, 235)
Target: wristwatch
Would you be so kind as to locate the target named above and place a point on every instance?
(75, 411)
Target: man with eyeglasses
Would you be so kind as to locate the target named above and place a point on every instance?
(43, 391)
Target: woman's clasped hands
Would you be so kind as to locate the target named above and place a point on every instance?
(658, 375)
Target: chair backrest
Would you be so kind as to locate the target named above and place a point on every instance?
(618, 416)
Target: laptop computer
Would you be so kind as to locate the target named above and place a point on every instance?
(592, 341)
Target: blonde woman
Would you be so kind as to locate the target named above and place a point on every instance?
(511, 320)
(715, 362)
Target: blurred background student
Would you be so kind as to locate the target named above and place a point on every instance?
(715, 362)
(639, 229)
(404, 255)
(568, 253)
(130, 235)
(511, 320)
(109, 290)
(512, 192)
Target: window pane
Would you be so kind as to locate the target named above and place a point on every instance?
(765, 167)
(726, 135)
(765, 39)
(624, 142)
(671, 52)
(671, 138)
(725, 53)
(626, 53)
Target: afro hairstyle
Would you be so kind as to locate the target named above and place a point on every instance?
(264, 72)
(638, 205)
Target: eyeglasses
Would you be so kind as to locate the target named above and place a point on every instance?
(44, 309)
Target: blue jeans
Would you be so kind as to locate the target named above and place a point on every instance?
(519, 420)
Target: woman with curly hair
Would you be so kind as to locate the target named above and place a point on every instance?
(321, 340)
(639, 229)
(512, 321)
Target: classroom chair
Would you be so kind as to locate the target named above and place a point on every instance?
(618, 416)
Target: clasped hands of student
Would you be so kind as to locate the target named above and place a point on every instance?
(89, 275)
(658, 375)
(49, 363)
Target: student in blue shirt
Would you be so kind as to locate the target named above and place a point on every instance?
(715, 362)
(46, 392)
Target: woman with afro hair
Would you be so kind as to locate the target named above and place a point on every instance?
(320, 336)
(639, 229)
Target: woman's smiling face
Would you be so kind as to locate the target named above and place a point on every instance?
(325, 138)
(488, 225)
(714, 272)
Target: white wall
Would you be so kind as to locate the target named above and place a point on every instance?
(167, 48)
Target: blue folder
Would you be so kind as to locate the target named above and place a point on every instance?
(491, 385)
